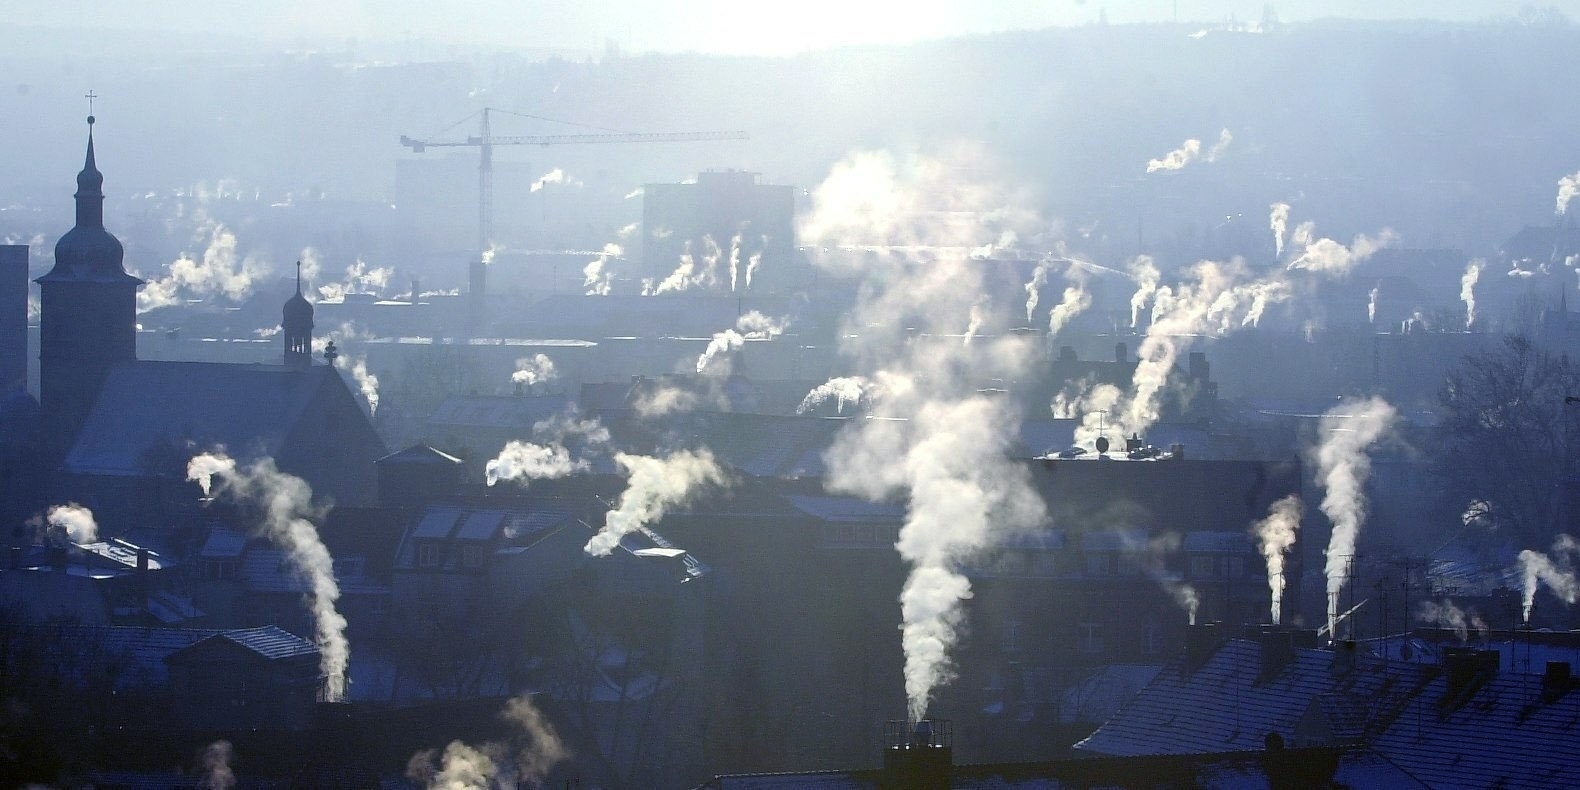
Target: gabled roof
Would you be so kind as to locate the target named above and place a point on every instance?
(421, 454)
(150, 417)
(269, 642)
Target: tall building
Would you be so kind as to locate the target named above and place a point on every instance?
(724, 215)
(296, 326)
(89, 306)
(13, 317)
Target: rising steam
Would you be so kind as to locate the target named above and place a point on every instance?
(654, 485)
(1039, 278)
(1330, 257)
(1568, 187)
(287, 504)
(217, 773)
(1278, 220)
(1445, 615)
(844, 389)
(1555, 570)
(219, 272)
(1467, 290)
(1348, 431)
(1189, 152)
(752, 326)
(75, 520)
(536, 369)
(536, 747)
(1371, 304)
(1274, 536)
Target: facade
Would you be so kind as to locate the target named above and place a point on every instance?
(727, 218)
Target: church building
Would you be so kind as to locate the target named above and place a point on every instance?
(120, 430)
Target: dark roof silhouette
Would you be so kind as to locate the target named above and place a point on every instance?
(88, 252)
(152, 416)
(270, 642)
(421, 454)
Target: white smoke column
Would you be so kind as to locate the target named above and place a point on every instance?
(1568, 187)
(217, 774)
(1558, 574)
(1445, 615)
(1274, 535)
(536, 369)
(595, 278)
(1039, 278)
(367, 383)
(312, 264)
(654, 485)
(1328, 256)
(845, 389)
(663, 400)
(735, 259)
(1348, 431)
(1147, 276)
(1076, 300)
(975, 318)
(753, 263)
(360, 278)
(1371, 305)
(287, 504)
(75, 520)
(527, 461)
(1278, 220)
(543, 750)
(932, 440)
(1467, 290)
(751, 326)
(684, 276)
(1217, 149)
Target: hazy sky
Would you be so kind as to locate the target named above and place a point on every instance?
(770, 27)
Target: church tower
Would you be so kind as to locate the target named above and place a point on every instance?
(88, 320)
(297, 326)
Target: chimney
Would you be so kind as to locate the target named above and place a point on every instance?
(56, 557)
(1278, 650)
(1177, 451)
(919, 757)
(1121, 353)
(142, 560)
(1135, 443)
(1557, 682)
(1466, 669)
(1201, 641)
(1344, 654)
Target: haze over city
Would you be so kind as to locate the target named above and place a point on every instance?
(650, 394)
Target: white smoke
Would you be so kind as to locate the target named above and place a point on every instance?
(751, 326)
(1278, 220)
(1330, 257)
(1467, 290)
(287, 504)
(312, 264)
(1274, 536)
(932, 439)
(1371, 304)
(359, 278)
(691, 273)
(555, 176)
(1568, 187)
(1146, 275)
(217, 773)
(1556, 571)
(1189, 152)
(354, 364)
(754, 263)
(844, 389)
(1039, 278)
(1348, 432)
(536, 369)
(1076, 300)
(1445, 615)
(219, 272)
(976, 316)
(665, 399)
(536, 746)
(735, 260)
(654, 485)
(1152, 556)
(595, 278)
(527, 461)
(75, 520)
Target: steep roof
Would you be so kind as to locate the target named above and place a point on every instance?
(269, 642)
(150, 417)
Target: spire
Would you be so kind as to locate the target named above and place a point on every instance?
(298, 278)
(90, 189)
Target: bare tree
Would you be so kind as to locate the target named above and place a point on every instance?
(1507, 438)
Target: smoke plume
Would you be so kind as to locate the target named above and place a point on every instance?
(75, 520)
(555, 176)
(1076, 300)
(751, 326)
(1152, 556)
(536, 746)
(536, 369)
(287, 504)
(1189, 151)
(1146, 276)
(654, 485)
(1348, 431)
(932, 440)
(1371, 304)
(219, 272)
(217, 774)
(844, 389)
(1278, 220)
(1467, 290)
(1330, 257)
(1274, 535)
(1445, 615)
(1039, 278)
(359, 278)
(1555, 570)
(595, 279)
(527, 461)
(1568, 187)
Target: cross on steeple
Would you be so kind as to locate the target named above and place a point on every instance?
(90, 96)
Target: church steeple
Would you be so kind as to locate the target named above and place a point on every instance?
(296, 325)
(88, 311)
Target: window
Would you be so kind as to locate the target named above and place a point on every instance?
(427, 555)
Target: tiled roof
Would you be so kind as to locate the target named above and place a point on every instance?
(271, 642)
(1501, 735)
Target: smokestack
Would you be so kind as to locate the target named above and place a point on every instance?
(1557, 682)
(13, 317)
(1201, 641)
(1177, 451)
(1344, 656)
(919, 757)
(1466, 670)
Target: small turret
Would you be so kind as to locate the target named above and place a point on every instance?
(296, 324)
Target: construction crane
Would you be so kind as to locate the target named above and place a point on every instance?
(485, 141)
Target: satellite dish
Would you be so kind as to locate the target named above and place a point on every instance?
(1102, 444)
